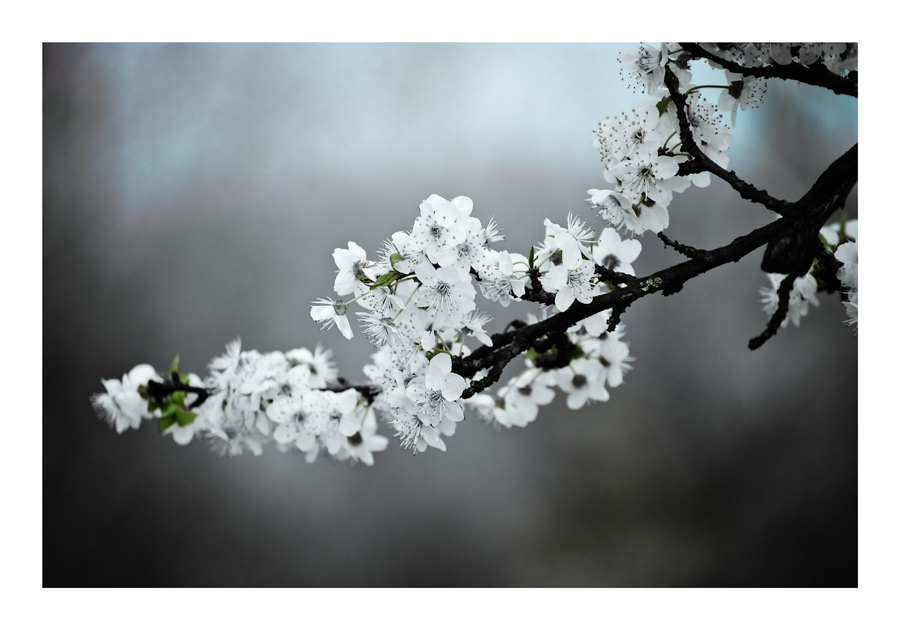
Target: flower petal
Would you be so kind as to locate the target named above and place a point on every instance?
(453, 386)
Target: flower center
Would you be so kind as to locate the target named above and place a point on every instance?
(574, 277)
(579, 381)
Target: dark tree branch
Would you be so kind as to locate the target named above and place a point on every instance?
(816, 74)
(538, 295)
(691, 167)
(499, 361)
(171, 384)
(796, 248)
(515, 325)
(826, 270)
(550, 359)
(536, 292)
(784, 299)
(685, 250)
(615, 277)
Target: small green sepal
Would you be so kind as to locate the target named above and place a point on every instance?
(169, 410)
(386, 279)
(663, 105)
(395, 258)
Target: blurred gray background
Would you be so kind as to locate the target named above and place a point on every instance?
(194, 193)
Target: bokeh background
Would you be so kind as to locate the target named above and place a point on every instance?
(194, 193)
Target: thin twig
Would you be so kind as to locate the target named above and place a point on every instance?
(744, 189)
(685, 250)
(784, 299)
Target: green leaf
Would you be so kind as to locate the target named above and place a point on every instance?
(169, 410)
(184, 378)
(184, 417)
(165, 423)
(174, 366)
(663, 105)
(532, 354)
(178, 398)
(531, 258)
(395, 258)
(151, 405)
(577, 352)
(670, 74)
(387, 278)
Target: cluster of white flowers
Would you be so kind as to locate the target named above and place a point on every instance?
(641, 149)
(417, 304)
(747, 91)
(839, 58)
(803, 293)
(122, 405)
(416, 300)
(840, 238)
(290, 398)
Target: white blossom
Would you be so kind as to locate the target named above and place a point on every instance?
(122, 406)
(329, 312)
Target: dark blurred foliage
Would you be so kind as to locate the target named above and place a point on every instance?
(711, 466)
